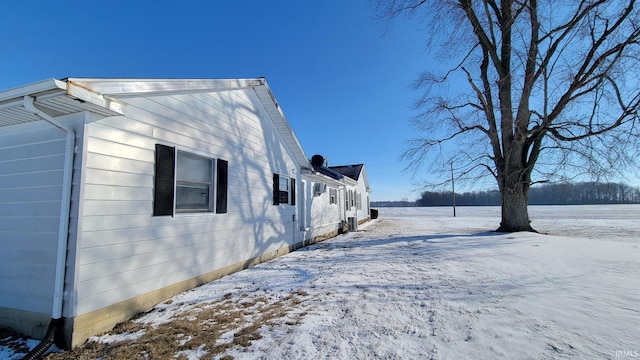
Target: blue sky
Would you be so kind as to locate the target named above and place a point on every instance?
(342, 77)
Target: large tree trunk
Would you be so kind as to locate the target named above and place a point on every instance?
(515, 215)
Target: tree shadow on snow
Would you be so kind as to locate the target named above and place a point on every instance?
(485, 239)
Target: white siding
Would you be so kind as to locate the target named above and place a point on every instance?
(349, 192)
(324, 216)
(359, 193)
(123, 250)
(31, 163)
(361, 190)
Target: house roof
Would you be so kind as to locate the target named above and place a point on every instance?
(103, 96)
(325, 175)
(355, 172)
(330, 173)
(352, 171)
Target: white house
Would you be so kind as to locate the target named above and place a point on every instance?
(357, 200)
(116, 194)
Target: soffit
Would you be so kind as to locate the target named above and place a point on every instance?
(50, 96)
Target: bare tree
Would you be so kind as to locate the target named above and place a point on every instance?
(549, 85)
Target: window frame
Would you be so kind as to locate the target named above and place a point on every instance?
(346, 199)
(169, 184)
(279, 194)
(283, 189)
(333, 196)
(350, 199)
(185, 183)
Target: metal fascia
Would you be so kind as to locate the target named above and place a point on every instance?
(83, 93)
(17, 94)
(282, 124)
(310, 174)
(149, 87)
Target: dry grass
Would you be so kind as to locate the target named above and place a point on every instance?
(212, 327)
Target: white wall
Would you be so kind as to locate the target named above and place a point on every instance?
(351, 211)
(123, 250)
(324, 216)
(361, 189)
(358, 189)
(31, 171)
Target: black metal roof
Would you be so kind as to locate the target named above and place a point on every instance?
(330, 173)
(352, 171)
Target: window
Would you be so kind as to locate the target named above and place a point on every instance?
(346, 199)
(319, 189)
(194, 183)
(283, 193)
(333, 196)
(284, 190)
(184, 183)
(349, 199)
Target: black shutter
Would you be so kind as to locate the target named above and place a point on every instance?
(164, 180)
(221, 186)
(276, 189)
(293, 192)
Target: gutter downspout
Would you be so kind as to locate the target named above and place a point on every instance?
(65, 207)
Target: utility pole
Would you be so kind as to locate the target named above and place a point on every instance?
(453, 190)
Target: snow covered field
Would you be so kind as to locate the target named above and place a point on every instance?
(418, 284)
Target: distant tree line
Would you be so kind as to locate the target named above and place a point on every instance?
(403, 203)
(550, 194)
(480, 198)
(585, 193)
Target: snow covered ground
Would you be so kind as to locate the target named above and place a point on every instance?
(420, 284)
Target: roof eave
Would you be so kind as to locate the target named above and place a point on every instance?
(149, 87)
(317, 176)
(112, 89)
(50, 96)
(16, 94)
(282, 124)
(101, 96)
